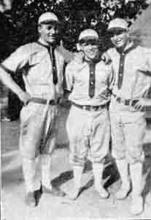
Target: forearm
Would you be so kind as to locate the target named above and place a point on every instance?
(67, 93)
(8, 81)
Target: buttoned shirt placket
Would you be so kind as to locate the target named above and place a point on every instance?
(54, 68)
(91, 79)
(53, 60)
(121, 70)
(121, 66)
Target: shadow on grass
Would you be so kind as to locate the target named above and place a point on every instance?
(110, 174)
(12, 177)
(147, 169)
(62, 178)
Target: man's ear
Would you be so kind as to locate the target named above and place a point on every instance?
(78, 47)
(128, 33)
(39, 28)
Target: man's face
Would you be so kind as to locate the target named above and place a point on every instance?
(48, 33)
(90, 50)
(119, 38)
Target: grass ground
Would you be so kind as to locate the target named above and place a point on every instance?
(87, 206)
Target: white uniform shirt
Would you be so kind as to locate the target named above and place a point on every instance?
(77, 82)
(137, 72)
(37, 70)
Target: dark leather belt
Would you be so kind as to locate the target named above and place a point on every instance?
(89, 107)
(128, 102)
(42, 101)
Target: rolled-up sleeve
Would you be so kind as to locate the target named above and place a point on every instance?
(148, 63)
(69, 77)
(17, 59)
(111, 78)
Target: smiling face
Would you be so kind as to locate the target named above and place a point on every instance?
(90, 50)
(48, 33)
(119, 38)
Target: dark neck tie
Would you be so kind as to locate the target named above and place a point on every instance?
(91, 79)
(54, 68)
(121, 70)
(121, 65)
(51, 51)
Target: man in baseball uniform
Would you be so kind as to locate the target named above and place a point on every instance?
(42, 67)
(88, 83)
(132, 69)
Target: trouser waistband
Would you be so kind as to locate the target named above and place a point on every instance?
(42, 101)
(89, 107)
(130, 102)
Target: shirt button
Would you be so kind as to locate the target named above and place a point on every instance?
(91, 83)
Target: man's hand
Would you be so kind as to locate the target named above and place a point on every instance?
(24, 97)
(63, 102)
(106, 58)
(143, 102)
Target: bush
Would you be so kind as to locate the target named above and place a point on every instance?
(18, 25)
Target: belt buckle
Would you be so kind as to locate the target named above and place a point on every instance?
(84, 107)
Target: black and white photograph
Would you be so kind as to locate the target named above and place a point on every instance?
(75, 109)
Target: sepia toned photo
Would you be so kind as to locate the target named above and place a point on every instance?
(75, 109)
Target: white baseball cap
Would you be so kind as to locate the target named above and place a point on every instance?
(118, 24)
(88, 34)
(47, 18)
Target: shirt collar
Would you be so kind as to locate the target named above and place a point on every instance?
(42, 43)
(98, 59)
(128, 47)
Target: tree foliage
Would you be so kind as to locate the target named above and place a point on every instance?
(18, 25)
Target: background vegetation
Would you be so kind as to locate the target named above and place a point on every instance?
(18, 24)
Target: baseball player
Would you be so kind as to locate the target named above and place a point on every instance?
(42, 67)
(88, 83)
(132, 68)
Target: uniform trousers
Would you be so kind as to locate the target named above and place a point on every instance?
(127, 130)
(37, 142)
(88, 132)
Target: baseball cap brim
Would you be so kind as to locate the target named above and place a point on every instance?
(50, 22)
(89, 39)
(117, 29)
